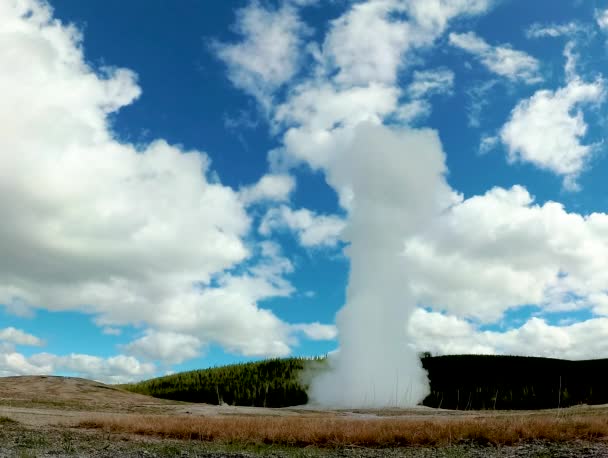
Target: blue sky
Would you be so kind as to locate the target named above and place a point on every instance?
(191, 183)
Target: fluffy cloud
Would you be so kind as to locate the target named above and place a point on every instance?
(317, 331)
(445, 334)
(369, 42)
(413, 110)
(475, 258)
(322, 106)
(355, 78)
(116, 369)
(168, 347)
(270, 188)
(18, 337)
(547, 129)
(312, 230)
(269, 54)
(366, 45)
(501, 60)
(133, 235)
(498, 251)
(601, 17)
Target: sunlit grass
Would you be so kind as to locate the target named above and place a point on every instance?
(381, 432)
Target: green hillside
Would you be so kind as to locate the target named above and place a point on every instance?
(270, 383)
(457, 382)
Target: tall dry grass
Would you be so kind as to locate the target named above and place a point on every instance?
(381, 432)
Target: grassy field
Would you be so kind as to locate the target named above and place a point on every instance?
(368, 432)
(129, 435)
(90, 419)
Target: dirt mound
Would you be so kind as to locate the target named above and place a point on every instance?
(69, 392)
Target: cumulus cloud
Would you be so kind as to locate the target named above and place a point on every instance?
(269, 53)
(317, 331)
(115, 369)
(132, 235)
(500, 250)
(356, 73)
(18, 337)
(601, 18)
(448, 334)
(169, 347)
(311, 229)
(413, 111)
(353, 45)
(502, 60)
(547, 130)
(270, 188)
(368, 43)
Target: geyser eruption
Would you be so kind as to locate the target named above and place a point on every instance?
(392, 182)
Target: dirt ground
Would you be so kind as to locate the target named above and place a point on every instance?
(39, 416)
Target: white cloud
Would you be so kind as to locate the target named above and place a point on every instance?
(488, 143)
(13, 363)
(435, 14)
(312, 230)
(444, 334)
(317, 331)
(321, 106)
(601, 18)
(168, 347)
(368, 44)
(538, 30)
(412, 111)
(269, 54)
(270, 188)
(227, 312)
(133, 236)
(357, 68)
(19, 337)
(431, 82)
(116, 369)
(425, 83)
(547, 129)
(498, 251)
(501, 60)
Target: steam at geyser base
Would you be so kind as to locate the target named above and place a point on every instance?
(392, 183)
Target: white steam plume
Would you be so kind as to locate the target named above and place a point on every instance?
(393, 182)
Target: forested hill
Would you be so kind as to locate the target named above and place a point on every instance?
(514, 382)
(457, 382)
(270, 383)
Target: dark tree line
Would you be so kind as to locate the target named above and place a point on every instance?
(514, 382)
(456, 382)
(270, 383)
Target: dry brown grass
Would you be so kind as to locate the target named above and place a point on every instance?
(381, 432)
